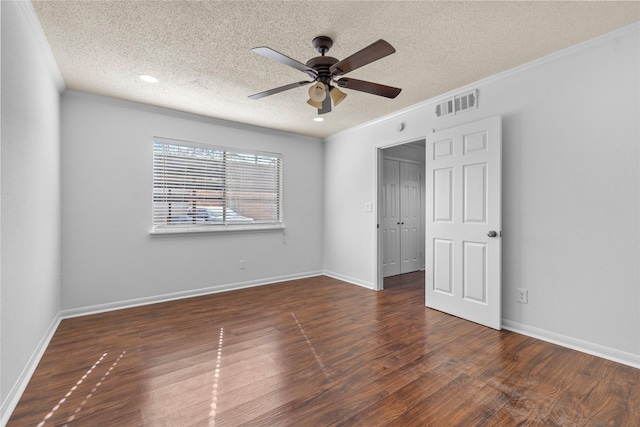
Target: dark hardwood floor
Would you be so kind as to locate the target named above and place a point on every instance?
(316, 352)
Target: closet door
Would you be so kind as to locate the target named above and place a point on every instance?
(410, 224)
(400, 223)
(390, 221)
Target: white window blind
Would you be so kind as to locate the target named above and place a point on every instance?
(200, 187)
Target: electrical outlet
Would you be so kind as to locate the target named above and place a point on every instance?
(241, 264)
(522, 296)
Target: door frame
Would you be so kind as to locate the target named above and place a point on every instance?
(378, 276)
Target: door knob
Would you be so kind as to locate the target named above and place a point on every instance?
(492, 233)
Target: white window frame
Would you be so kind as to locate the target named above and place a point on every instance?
(213, 167)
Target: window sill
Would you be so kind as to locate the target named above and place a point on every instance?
(214, 229)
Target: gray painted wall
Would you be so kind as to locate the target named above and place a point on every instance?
(30, 200)
(108, 255)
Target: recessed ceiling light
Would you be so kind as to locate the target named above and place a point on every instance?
(148, 78)
(318, 119)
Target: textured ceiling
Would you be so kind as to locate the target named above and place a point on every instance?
(201, 50)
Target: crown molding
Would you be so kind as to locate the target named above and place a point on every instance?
(29, 14)
(154, 109)
(615, 35)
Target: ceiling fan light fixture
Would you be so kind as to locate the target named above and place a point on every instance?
(317, 92)
(314, 104)
(336, 95)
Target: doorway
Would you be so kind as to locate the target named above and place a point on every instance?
(462, 188)
(401, 209)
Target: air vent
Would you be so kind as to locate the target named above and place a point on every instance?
(458, 104)
(445, 108)
(466, 101)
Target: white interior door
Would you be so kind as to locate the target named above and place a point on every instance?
(410, 203)
(463, 226)
(390, 218)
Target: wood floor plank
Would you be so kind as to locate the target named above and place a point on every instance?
(315, 352)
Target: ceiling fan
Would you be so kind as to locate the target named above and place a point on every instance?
(323, 71)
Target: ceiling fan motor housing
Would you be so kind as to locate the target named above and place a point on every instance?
(322, 64)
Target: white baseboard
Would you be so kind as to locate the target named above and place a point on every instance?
(137, 302)
(348, 279)
(11, 401)
(598, 350)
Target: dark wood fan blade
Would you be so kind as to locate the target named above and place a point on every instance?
(371, 53)
(369, 87)
(278, 90)
(284, 59)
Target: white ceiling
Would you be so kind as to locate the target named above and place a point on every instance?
(201, 50)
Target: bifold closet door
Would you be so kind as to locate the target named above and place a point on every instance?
(400, 219)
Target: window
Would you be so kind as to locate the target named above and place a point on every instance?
(205, 188)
